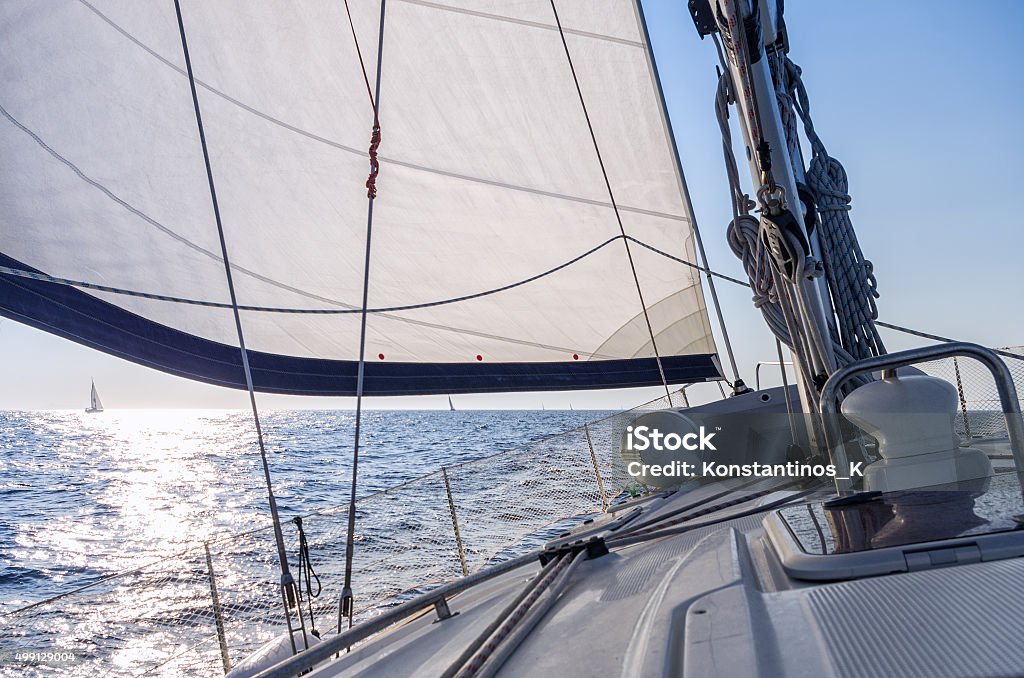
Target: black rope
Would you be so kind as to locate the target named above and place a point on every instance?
(307, 574)
(611, 197)
(42, 277)
(698, 267)
(287, 584)
(346, 606)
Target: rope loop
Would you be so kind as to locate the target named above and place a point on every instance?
(307, 574)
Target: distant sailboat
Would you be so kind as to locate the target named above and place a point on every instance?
(94, 401)
(450, 405)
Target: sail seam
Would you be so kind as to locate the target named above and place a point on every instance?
(103, 189)
(258, 276)
(523, 22)
(357, 151)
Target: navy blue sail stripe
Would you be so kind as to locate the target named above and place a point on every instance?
(85, 319)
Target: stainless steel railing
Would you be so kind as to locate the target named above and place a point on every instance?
(829, 405)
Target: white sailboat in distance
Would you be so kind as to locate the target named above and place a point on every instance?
(94, 401)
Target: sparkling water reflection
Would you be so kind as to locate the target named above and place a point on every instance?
(82, 496)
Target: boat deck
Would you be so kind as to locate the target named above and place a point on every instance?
(717, 601)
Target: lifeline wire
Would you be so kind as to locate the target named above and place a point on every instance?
(286, 577)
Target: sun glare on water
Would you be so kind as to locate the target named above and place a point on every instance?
(153, 480)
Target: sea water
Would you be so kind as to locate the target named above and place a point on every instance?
(83, 496)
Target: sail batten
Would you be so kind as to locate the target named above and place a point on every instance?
(494, 236)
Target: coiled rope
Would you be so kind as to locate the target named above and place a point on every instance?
(850, 275)
(852, 286)
(772, 295)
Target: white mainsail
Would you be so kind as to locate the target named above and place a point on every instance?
(489, 177)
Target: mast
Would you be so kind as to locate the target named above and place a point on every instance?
(752, 44)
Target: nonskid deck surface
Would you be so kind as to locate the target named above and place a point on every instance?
(716, 601)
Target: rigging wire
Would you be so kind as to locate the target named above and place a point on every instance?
(480, 648)
(738, 385)
(346, 606)
(359, 53)
(611, 197)
(674, 518)
(487, 652)
(785, 393)
(786, 500)
(703, 501)
(519, 625)
(371, 181)
(287, 583)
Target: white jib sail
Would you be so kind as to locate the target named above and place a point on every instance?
(488, 177)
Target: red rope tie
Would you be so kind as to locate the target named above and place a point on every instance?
(371, 181)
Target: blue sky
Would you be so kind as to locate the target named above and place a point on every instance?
(921, 101)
